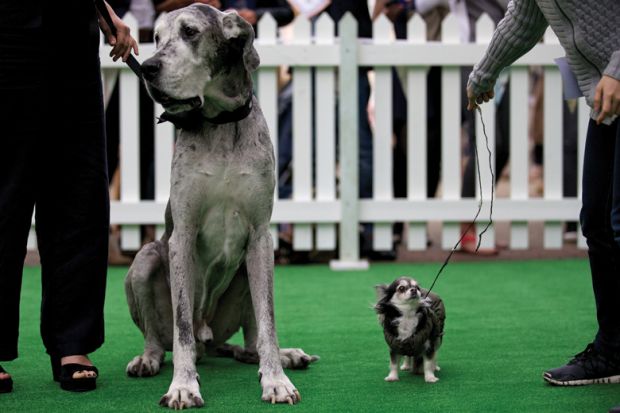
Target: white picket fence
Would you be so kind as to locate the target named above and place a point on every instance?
(330, 210)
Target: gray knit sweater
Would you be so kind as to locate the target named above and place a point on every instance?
(588, 30)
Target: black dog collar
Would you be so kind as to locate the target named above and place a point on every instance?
(194, 118)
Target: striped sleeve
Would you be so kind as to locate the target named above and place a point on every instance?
(519, 30)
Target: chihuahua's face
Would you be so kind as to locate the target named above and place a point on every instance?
(406, 292)
(403, 292)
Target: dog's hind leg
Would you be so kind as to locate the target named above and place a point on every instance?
(407, 364)
(237, 301)
(148, 296)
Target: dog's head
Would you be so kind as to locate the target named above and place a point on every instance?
(204, 58)
(401, 293)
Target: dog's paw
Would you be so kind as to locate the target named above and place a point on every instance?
(278, 388)
(391, 377)
(431, 378)
(182, 396)
(143, 366)
(296, 358)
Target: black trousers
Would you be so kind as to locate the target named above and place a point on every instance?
(600, 217)
(53, 156)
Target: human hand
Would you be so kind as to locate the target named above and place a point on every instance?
(607, 98)
(473, 101)
(122, 43)
(248, 15)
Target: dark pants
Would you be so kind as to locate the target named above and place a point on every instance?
(600, 219)
(53, 155)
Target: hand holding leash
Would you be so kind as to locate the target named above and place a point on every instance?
(474, 100)
(118, 35)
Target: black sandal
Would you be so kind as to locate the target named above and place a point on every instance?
(64, 375)
(6, 385)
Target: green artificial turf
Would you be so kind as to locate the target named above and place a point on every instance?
(506, 323)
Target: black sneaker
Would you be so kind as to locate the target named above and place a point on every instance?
(587, 367)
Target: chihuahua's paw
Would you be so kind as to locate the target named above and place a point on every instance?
(431, 379)
(392, 377)
(182, 396)
(143, 366)
(277, 388)
(296, 358)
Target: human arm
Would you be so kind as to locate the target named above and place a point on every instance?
(521, 28)
(122, 42)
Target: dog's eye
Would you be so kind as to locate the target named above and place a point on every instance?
(189, 31)
(401, 289)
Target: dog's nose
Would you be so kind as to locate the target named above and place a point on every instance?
(150, 68)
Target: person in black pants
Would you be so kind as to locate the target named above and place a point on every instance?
(54, 157)
(599, 81)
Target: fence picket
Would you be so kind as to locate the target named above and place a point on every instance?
(553, 147)
(325, 127)
(164, 145)
(382, 140)
(267, 94)
(129, 153)
(302, 137)
(519, 147)
(484, 32)
(416, 134)
(450, 132)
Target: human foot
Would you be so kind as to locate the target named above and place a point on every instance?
(82, 361)
(75, 373)
(6, 382)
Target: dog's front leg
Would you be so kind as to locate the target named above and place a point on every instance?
(184, 390)
(277, 388)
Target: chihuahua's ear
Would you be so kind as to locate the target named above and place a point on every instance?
(381, 291)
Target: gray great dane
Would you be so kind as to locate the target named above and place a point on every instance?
(212, 271)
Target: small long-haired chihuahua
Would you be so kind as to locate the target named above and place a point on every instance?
(412, 325)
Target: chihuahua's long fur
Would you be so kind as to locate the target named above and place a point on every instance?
(413, 326)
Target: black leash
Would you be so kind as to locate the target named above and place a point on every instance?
(472, 223)
(133, 64)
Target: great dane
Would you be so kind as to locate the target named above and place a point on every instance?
(212, 271)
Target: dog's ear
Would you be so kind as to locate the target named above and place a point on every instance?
(381, 291)
(235, 27)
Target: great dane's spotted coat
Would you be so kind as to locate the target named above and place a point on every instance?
(212, 271)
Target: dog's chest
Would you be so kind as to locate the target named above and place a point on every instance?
(407, 325)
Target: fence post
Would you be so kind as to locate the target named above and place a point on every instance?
(349, 141)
